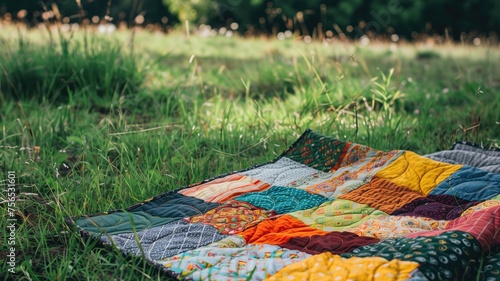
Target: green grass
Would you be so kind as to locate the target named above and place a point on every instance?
(117, 123)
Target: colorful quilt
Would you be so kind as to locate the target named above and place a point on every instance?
(323, 210)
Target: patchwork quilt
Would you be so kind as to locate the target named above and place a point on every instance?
(323, 210)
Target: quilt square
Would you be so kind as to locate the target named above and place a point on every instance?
(225, 188)
(416, 172)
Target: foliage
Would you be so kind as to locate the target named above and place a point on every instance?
(353, 18)
(198, 11)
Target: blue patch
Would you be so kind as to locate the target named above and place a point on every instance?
(471, 184)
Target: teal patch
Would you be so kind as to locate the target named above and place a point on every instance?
(283, 199)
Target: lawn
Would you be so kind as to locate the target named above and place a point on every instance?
(93, 122)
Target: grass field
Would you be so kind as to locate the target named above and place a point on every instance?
(94, 122)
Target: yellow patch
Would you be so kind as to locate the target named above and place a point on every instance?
(327, 266)
(417, 173)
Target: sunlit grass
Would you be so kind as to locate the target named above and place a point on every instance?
(201, 107)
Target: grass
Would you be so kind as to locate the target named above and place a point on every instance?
(92, 122)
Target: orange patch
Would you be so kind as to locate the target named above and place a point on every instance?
(382, 195)
(279, 231)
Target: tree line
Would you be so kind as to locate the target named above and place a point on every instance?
(350, 18)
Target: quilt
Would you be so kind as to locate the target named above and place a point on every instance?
(324, 209)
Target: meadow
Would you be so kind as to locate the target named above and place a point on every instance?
(93, 122)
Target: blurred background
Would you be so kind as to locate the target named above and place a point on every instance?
(463, 20)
